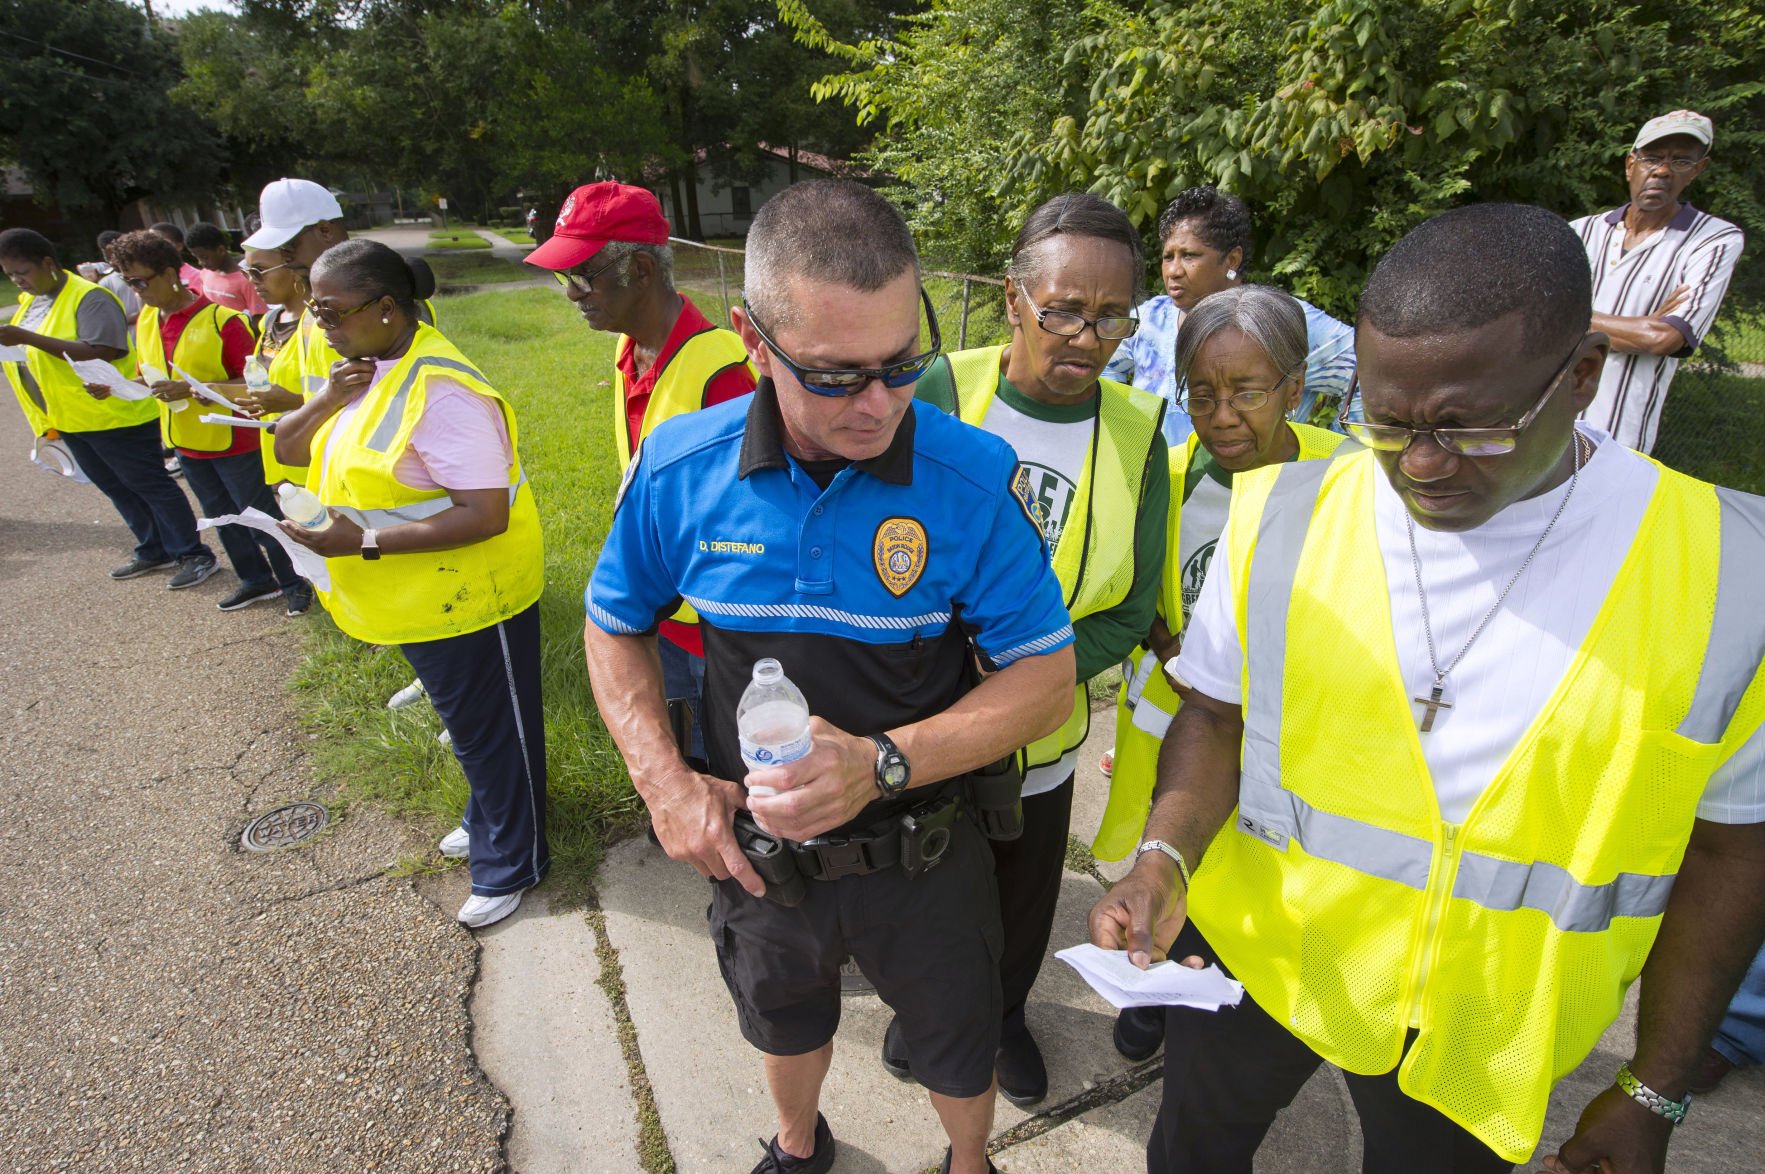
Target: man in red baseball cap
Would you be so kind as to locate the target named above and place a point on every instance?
(610, 253)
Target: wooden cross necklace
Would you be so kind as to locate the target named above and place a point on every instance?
(1433, 702)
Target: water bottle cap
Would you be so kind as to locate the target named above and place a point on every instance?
(767, 670)
(285, 490)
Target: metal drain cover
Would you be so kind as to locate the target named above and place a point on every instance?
(284, 826)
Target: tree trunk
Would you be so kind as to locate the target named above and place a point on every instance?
(693, 228)
(675, 203)
(793, 171)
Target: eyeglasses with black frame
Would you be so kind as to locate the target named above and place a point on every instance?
(331, 317)
(840, 382)
(1066, 324)
(1248, 400)
(582, 283)
(1464, 442)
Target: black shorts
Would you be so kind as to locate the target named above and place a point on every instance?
(930, 943)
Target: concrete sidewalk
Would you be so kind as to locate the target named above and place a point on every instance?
(710, 1098)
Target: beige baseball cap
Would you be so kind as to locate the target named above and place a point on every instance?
(1680, 122)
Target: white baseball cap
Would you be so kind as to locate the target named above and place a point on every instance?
(1680, 122)
(286, 207)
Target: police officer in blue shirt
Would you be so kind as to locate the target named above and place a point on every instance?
(875, 546)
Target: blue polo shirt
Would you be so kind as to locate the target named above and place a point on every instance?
(871, 592)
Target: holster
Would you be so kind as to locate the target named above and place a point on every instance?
(772, 859)
(995, 793)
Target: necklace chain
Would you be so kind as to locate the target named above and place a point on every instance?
(1440, 674)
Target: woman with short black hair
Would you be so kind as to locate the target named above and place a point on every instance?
(433, 544)
(62, 316)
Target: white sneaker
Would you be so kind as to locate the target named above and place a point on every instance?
(409, 695)
(446, 737)
(457, 844)
(479, 912)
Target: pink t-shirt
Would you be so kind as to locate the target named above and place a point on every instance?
(232, 290)
(462, 441)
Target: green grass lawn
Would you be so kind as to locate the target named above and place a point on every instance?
(536, 350)
(517, 235)
(456, 238)
(1713, 427)
(477, 268)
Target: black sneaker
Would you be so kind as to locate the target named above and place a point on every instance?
(174, 466)
(193, 569)
(777, 1161)
(1139, 1032)
(246, 596)
(136, 567)
(1023, 1077)
(299, 598)
(894, 1051)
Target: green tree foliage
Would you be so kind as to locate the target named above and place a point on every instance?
(84, 111)
(1343, 123)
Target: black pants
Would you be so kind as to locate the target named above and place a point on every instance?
(127, 466)
(229, 485)
(1028, 871)
(1228, 1072)
(485, 686)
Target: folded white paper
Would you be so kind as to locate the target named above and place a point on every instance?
(204, 390)
(309, 563)
(235, 421)
(1163, 984)
(98, 371)
(13, 354)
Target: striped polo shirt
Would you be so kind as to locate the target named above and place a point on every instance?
(1696, 250)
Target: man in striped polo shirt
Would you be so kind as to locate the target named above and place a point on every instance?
(1660, 268)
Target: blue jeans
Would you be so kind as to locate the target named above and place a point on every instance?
(683, 679)
(127, 467)
(228, 485)
(1741, 1038)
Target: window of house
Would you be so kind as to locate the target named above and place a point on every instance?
(742, 201)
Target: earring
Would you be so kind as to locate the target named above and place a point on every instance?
(386, 319)
(1231, 275)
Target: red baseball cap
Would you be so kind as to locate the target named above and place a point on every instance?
(595, 214)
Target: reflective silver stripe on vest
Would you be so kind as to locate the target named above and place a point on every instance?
(1264, 808)
(1274, 815)
(387, 430)
(1574, 907)
(1737, 629)
(415, 512)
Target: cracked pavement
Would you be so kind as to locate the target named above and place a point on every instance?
(167, 1000)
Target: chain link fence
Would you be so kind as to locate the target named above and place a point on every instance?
(1713, 426)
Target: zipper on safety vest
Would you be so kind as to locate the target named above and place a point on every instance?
(1440, 884)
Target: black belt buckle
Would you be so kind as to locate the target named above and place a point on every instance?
(841, 856)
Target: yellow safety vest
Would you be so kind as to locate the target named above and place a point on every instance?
(284, 371)
(314, 355)
(1339, 897)
(405, 598)
(1135, 768)
(1094, 559)
(199, 353)
(65, 406)
(680, 387)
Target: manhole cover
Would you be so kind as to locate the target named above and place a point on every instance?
(284, 826)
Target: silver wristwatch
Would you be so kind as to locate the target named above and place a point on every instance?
(1649, 1099)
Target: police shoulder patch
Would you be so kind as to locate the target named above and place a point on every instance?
(900, 551)
(1020, 489)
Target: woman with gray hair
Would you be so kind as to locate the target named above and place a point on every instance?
(1239, 369)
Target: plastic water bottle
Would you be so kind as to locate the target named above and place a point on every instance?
(772, 719)
(303, 507)
(257, 376)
